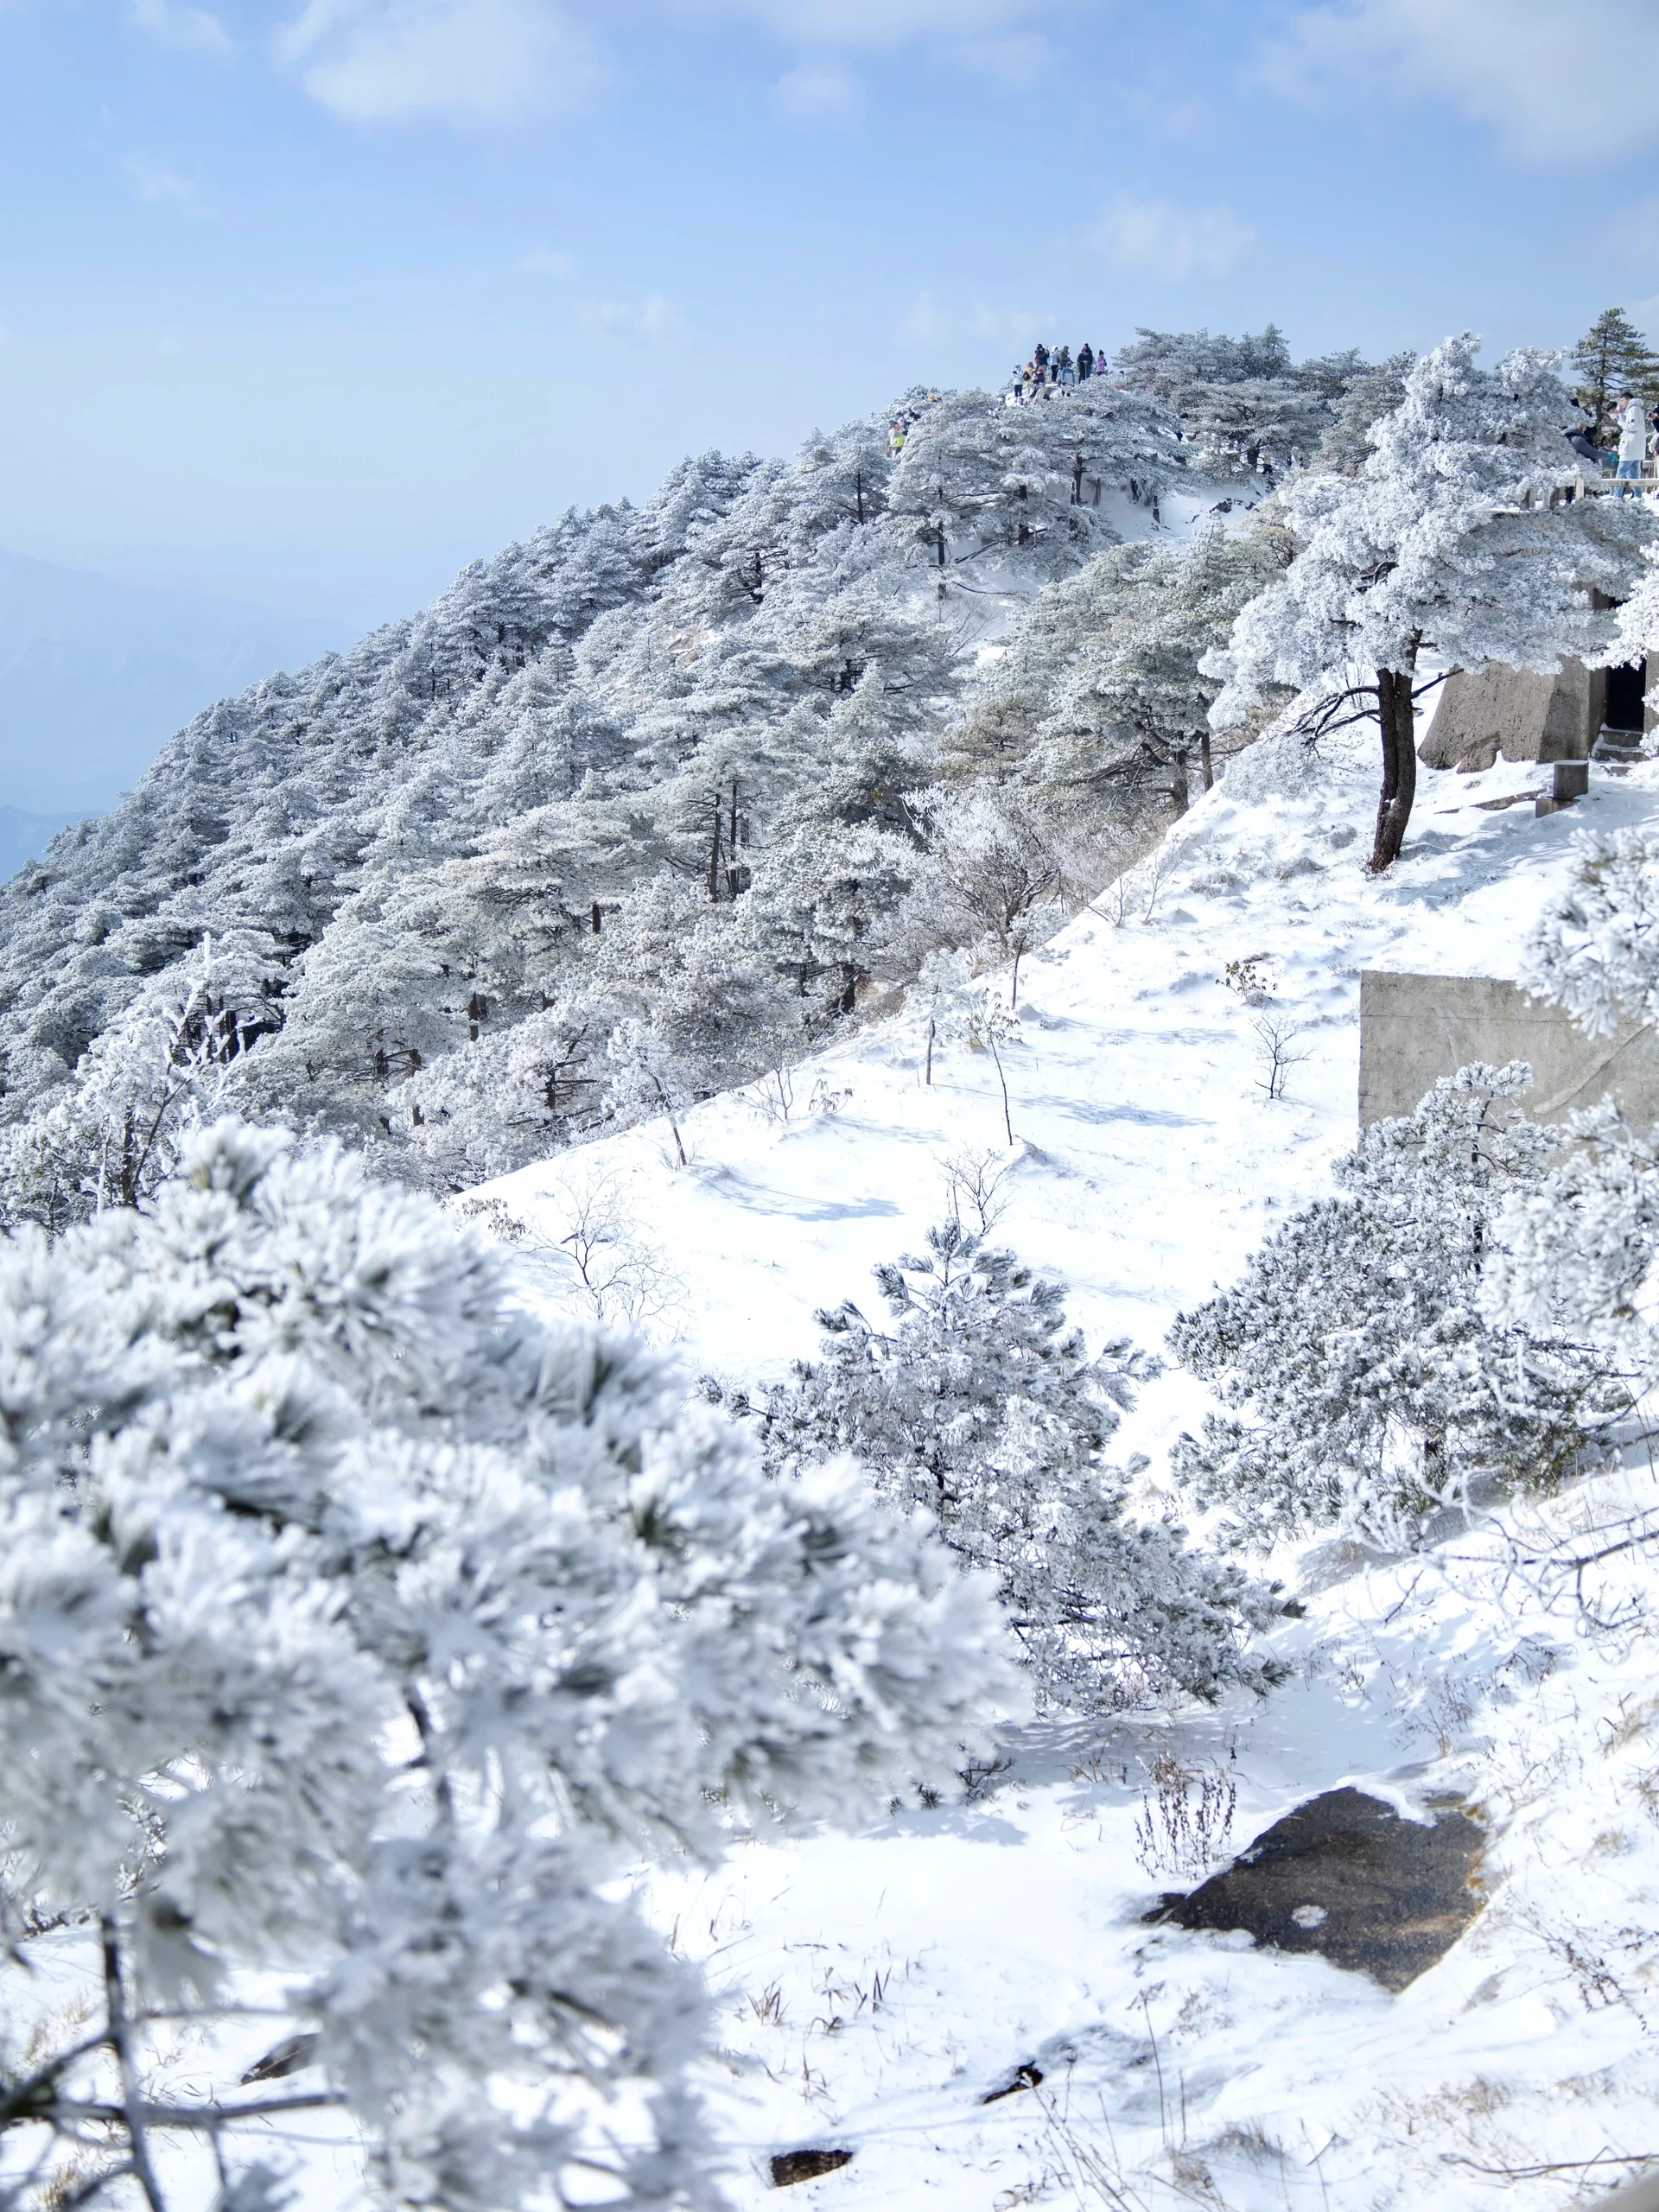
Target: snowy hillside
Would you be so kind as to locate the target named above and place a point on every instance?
(717, 904)
(649, 803)
(880, 1989)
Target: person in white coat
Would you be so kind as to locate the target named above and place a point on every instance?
(1632, 441)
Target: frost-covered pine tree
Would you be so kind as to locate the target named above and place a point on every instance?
(1260, 427)
(1611, 358)
(361, 1633)
(1581, 1252)
(1172, 362)
(1129, 715)
(981, 482)
(1636, 636)
(1594, 950)
(1364, 1388)
(980, 1405)
(1447, 541)
(1247, 409)
(1369, 395)
(179, 1053)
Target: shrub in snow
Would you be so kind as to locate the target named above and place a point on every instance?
(1595, 949)
(360, 1632)
(979, 1404)
(1447, 540)
(1579, 1252)
(1366, 1388)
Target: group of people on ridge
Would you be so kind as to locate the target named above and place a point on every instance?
(1056, 370)
(1638, 437)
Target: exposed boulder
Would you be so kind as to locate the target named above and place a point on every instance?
(1345, 1876)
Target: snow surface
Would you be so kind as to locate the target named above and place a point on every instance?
(879, 1986)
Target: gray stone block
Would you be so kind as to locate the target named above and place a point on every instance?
(1517, 713)
(1414, 1029)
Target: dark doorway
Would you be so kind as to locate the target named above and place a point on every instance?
(1626, 689)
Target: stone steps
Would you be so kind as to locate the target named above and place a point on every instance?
(1619, 748)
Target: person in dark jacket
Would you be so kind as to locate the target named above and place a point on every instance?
(1085, 362)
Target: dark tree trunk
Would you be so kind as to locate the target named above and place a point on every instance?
(940, 541)
(1395, 721)
(714, 856)
(596, 917)
(1204, 761)
(734, 875)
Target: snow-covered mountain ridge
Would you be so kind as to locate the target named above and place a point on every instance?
(880, 1988)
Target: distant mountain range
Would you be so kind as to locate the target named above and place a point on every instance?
(26, 837)
(96, 676)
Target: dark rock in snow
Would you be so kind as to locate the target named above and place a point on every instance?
(791, 2166)
(1346, 1877)
(1023, 2077)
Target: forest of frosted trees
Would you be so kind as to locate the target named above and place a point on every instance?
(366, 1631)
(647, 805)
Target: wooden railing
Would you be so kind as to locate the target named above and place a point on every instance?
(1601, 487)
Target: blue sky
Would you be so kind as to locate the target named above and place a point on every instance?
(306, 302)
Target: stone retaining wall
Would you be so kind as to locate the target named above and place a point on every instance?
(1414, 1029)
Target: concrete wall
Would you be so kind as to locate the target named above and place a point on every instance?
(1517, 713)
(1414, 1029)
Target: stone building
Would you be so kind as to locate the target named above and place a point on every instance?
(1519, 715)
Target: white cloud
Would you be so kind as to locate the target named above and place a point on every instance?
(1017, 61)
(655, 323)
(1164, 240)
(464, 61)
(817, 93)
(549, 264)
(1558, 87)
(158, 187)
(926, 323)
(176, 24)
(869, 22)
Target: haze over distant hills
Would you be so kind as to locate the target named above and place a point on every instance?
(95, 676)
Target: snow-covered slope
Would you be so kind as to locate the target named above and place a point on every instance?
(881, 1986)
(1150, 1161)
